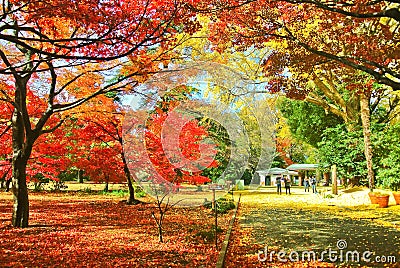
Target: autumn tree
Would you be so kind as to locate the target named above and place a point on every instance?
(97, 137)
(174, 147)
(298, 24)
(184, 158)
(93, 151)
(47, 158)
(55, 47)
(301, 42)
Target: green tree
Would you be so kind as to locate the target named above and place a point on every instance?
(307, 121)
(345, 150)
(388, 151)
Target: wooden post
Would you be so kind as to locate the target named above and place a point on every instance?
(214, 187)
(334, 180)
(216, 221)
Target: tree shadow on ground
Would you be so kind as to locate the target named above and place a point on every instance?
(303, 230)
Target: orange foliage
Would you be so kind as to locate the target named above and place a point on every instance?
(175, 146)
(282, 147)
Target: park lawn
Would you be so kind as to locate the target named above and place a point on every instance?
(86, 186)
(90, 230)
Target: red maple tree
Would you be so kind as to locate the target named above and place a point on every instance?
(175, 142)
(64, 52)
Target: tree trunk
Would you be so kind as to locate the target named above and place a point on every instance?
(21, 153)
(334, 180)
(159, 222)
(20, 216)
(365, 119)
(160, 234)
(80, 176)
(106, 187)
(131, 199)
(4, 180)
(326, 178)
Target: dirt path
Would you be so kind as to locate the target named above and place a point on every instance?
(304, 222)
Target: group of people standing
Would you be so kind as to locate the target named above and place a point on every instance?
(285, 180)
(310, 181)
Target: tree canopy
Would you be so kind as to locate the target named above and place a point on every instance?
(360, 35)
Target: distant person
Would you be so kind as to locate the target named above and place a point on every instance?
(287, 184)
(278, 185)
(306, 184)
(314, 184)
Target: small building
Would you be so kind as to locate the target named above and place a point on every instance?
(268, 176)
(297, 167)
(304, 168)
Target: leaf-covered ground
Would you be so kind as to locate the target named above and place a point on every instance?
(70, 230)
(86, 230)
(303, 222)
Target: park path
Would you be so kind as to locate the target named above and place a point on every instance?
(290, 223)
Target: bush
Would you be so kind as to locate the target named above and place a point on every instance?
(58, 186)
(87, 190)
(139, 192)
(119, 193)
(39, 180)
(223, 205)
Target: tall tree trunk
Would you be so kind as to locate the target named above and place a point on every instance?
(20, 216)
(366, 124)
(21, 153)
(131, 198)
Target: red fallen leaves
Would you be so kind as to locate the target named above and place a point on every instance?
(81, 231)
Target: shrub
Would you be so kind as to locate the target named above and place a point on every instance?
(139, 192)
(223, 205)
(87, 190)
(119, 193)
(58, 186)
